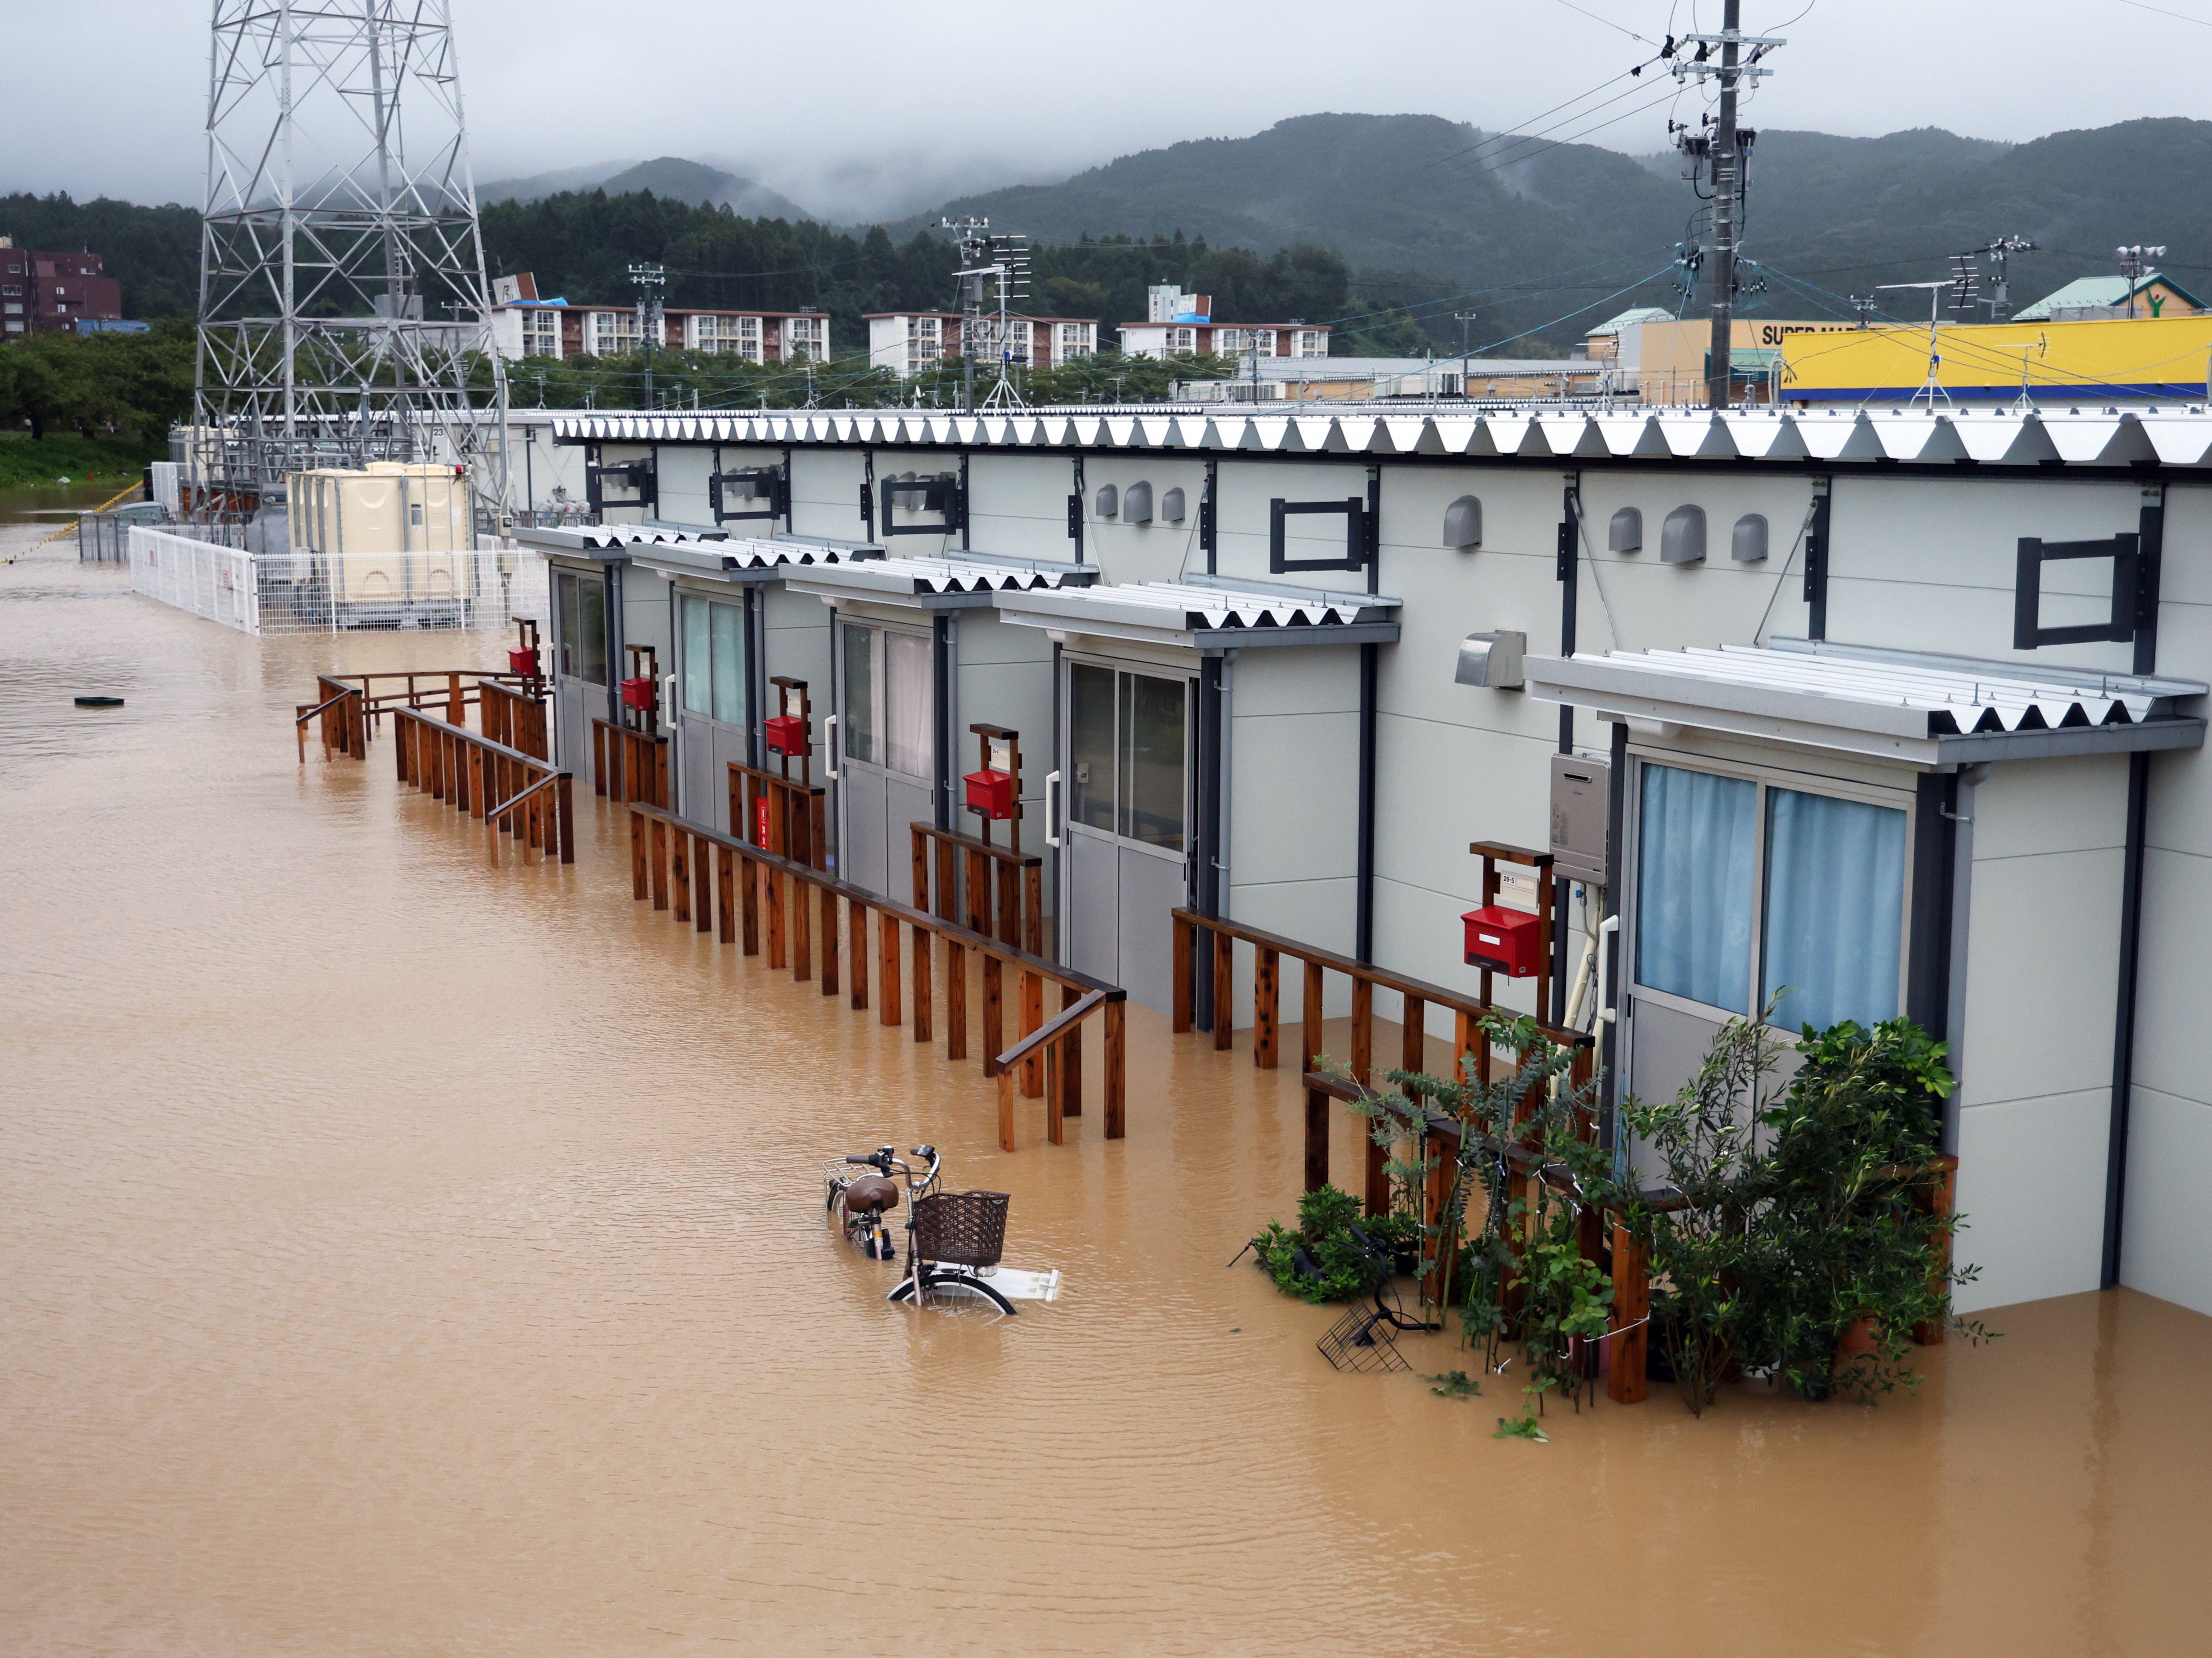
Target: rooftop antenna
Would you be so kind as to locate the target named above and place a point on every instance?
(994, 272)
(1966, 284)
(1865, 305)
(1932, 387)
(2000, 251)
(339, 209)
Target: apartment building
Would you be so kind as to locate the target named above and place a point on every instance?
(526, 325)
(908, 343)
(1177, 324)
(43, 293)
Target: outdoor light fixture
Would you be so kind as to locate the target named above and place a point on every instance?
(1463, 523)
(1492, 660)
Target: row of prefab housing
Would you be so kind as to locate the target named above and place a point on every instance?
(1897, 711)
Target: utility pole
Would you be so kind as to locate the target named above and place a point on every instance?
(2000, 251)
(1466, 321)
(1726, 159)
(650, 280)
(972, 236)
(2131, 267)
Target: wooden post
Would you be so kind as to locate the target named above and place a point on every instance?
(1464, 1037)
(702, 880)
(1224, 1012)
(1412, 1042)
(923, 938)
(1362, 1031)
(887, 968)
(1183, 946)
(802, 932)
(1031, 1017)
(1070, 1072)
(978, 906)
(1005, 1110)
(477, 801)
(994, 1012)
(1033, 909)
(1117, 1076)
(680, 873)
(948, 882)
(456, 709)
(857, 924)
(1266, 994)
(748, 905)
(564, 806)
(1010, 906)
(1439, 1152)
(1316, 1139)
(660, 858)
(1624, 1382)
(956, 999)
(725, 894)
(1937, 1202)
(1055, 1069)
(598, 758)
(1310, 1037)
(920, 842)
(772, 896)
(639, 889)
(829, 941)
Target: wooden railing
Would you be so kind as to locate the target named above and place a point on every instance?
(628, 765)
(513, 717)
(342, 713)
(1002, 895)
(779, 814)
(1268, 948)
(722, 885)
(517, 794)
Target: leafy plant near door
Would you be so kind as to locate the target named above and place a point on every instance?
(1796, 1240)
(1340, 1270)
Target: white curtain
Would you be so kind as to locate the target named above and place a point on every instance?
(1835, 907)
(1696, 868)
(908, 701)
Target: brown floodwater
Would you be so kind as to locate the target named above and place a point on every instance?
(398, 1255)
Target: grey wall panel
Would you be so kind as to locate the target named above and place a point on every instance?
(1247, 484)
(2031, 1186)
(645, 619)
(2181, 783)
(1017, 504)
(825, 494)
(1157, 551)
(1635, 602)
(2170, 1151)
(682, 478)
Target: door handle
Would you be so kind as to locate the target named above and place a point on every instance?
(1605, 1009)
(830, 748)
(1051, 805)
(668, 701)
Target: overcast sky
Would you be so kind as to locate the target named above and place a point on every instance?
(854, 108)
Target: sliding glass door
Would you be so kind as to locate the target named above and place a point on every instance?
(886, 751)
(710, 716)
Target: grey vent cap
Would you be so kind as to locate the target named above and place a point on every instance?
(1136, 503)
(1171, 506)
(1748, 545)
(1463, 523)
(1492, 660)
(1683, 540)
(1109, 500)
(1626, 533)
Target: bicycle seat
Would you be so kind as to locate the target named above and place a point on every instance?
(872, 1194)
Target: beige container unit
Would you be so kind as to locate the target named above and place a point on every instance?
(393, 541)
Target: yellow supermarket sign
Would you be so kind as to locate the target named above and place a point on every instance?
(2167, 358)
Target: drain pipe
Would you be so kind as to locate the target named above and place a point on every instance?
(1363, 926)
(1962, 890)
(2124, 1022)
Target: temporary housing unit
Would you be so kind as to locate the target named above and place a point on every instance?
(1899, 711)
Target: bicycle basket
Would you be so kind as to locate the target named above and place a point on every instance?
(960, 1229)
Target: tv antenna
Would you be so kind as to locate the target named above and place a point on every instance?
(993, 273)
(339, 209)
(650, 280)
(1999, 251)
(1932, 387)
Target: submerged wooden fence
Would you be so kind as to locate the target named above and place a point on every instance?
(736, 891)
(517, 794)
(629, 764)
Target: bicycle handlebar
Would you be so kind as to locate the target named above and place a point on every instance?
(869, 1160)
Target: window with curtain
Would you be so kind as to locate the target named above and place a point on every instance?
(728, 627)
(1697, 850)
(909, 702)
(1835, 907)
(859, 704)
(698, 658)
(1152, 760)
(1818, 913)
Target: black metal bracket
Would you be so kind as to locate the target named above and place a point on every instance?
(1209, 515)
(640, 476)
(942, 494)
(2124, 550)
(1816, 564)
(1358, 534)
(768, 484)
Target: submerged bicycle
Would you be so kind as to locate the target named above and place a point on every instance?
(954, 1239)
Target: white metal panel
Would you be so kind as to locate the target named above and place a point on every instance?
(2031, 1185)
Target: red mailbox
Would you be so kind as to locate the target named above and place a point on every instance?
(637, 693)
(992, 793)
(1503, 940)
(523, 662)
(786, 735)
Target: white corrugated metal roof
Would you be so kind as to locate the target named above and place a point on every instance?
(1922, 707)
(1192, 613)
(2171, 434)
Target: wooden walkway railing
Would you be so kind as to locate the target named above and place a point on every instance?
(628, 765)
(1269, 949)
(350, 707)
(1002, 894)
(516, 793)
(341, 711)
(513, 717)
(722, 884)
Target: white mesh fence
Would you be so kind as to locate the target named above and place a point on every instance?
(318, 592)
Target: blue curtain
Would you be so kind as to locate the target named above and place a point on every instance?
(1696, 874)
(1835, 907)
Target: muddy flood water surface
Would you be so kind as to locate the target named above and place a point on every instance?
(402, 1256)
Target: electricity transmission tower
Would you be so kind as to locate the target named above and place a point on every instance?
(340, 220)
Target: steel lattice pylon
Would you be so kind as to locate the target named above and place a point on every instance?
(343, 314)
